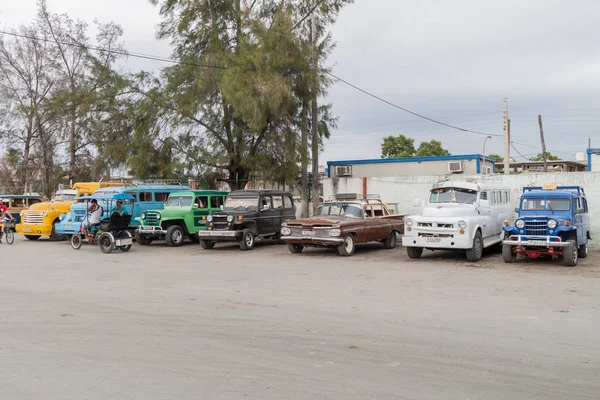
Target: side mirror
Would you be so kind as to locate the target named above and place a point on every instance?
(221, 207)
(266, 207)
(195, 205)
(581, 210)
(517, 210)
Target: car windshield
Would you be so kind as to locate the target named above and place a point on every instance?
(345, 209)
(241, 204)
(64, 197)
(453, 195)
(543, 204)
(179, 201)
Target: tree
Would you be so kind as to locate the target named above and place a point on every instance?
(549, 157)
(397, 147)
(432, 148)
(497, 157)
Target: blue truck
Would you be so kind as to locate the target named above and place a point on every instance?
(552, 221)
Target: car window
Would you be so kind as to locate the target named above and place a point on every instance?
(585, 207)
(161, 196)
(378, 211)
(202, 201)
(216, 201)
(368, 211)
(277, 202)
(18, 202)
(145, 196)
(34, 201)
(264, 202)
(134, 194)
(287, 202)
(483, 196)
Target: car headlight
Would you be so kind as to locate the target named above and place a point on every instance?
(44, 214)
(285, 231)
(408, 222)
(143, 215)
(209, 218)
(462, 224)
(230, 219)
(520, 223)
(335, 232)
(552, 223)
(158, 215)
(21, 212)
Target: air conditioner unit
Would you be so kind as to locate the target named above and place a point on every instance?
(343, 170)
(455, 166)
(487, 170)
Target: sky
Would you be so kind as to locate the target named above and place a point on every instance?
(453, 61)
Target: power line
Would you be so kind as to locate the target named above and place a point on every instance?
(513, 146)
(124, 53)
(409, 111)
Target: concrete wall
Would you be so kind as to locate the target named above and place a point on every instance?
(413, 192)
(411, 168)
(595, 158)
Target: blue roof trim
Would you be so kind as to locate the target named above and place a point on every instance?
(412, 159)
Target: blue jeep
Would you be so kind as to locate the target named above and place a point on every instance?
(553, 220)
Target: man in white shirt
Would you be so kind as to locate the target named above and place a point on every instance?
(95, 216)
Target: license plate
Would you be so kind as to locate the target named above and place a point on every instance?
(537, 243)
(434, 239)
(68, 226)
(217, 233)
(123, 242)
(308, 233)
(27, 230)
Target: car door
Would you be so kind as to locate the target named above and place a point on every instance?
(582, 219)
(277, 212)
(486, 202)
(288, 208)
(265, 221)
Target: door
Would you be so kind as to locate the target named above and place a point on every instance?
(381, 226)
(486, 202)
(265, 221)
(582, 219)
(277, 212)
(289, 211)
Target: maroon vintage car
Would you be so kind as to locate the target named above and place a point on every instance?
(342, 223)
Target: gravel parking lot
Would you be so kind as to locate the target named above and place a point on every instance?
(187, 323)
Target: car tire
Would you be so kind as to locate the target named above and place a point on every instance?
(248, 239)
(32, 237)
(143, 240)
(570, 254)
(55, 236)
(583, 250)
(508, 253)
(475, 253)
(295, 248)
(174, 236)
(390, 241)
(414, 252)
(207, 244)
(346, 249)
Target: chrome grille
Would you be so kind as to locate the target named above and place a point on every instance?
(536, 227)
(151, 219)
(34, 218)
(220, 222)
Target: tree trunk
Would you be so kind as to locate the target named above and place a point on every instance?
(238, 178)
(304, 161)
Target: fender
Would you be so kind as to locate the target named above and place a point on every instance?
(472, 234)
(250, 224)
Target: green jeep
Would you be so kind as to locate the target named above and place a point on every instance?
(183, 215)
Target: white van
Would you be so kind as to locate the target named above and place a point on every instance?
(459, 216)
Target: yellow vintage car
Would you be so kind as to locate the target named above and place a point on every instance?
(39, 219)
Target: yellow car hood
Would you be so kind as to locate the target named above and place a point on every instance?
(61, 206)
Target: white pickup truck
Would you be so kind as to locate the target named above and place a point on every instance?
(459, 215)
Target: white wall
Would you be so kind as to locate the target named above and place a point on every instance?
(412, 192)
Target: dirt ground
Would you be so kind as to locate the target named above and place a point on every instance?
(187, 323)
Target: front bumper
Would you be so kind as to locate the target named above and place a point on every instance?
(219, 236)
(34, 230)
(535, 241)
(436, 242)
(151, 230)
(68, 228)
(313, 241)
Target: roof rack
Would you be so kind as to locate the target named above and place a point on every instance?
(354, 196)
(576, 189)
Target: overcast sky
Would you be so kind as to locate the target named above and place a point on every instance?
(453, 61)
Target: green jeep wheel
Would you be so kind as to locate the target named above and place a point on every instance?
(174, 236)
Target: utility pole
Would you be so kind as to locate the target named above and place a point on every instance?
(506, 138)
(304, 161)
(314, 125)
(543, 144)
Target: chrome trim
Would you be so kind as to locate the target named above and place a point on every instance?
(530, 239)
(314, 239)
